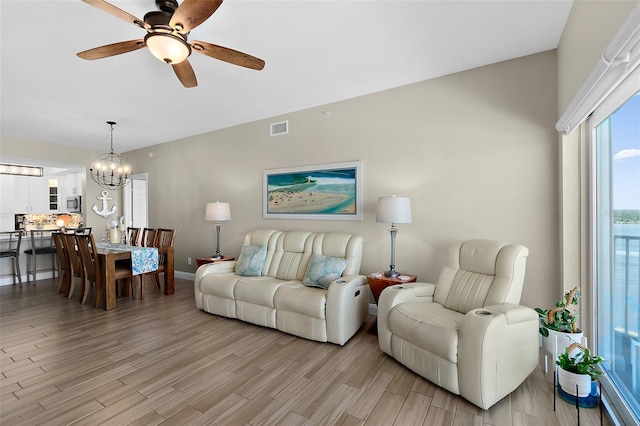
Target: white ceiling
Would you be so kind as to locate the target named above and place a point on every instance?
(316, 52)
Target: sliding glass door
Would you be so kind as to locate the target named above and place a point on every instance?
(616, 248)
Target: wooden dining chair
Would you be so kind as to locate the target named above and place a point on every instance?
(77, 269)
(148, 237)
(64, 266)
(133, 236)
(164, 238)
(82, 231)
(93, 273)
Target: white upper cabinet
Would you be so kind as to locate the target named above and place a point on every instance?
(68, 185)
(7, 194)
(24, 194)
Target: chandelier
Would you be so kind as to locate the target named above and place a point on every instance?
(110, 170)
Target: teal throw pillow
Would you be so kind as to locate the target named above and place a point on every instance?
(322, 270)
(251, 261)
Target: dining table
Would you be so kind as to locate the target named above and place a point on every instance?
(141, 261)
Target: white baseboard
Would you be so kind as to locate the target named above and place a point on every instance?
(8, 280)
(190, 276)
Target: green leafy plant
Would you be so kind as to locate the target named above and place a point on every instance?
(561, 318)
(582, 363)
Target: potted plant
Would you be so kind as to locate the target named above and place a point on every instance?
(578, 370)
(558, 325)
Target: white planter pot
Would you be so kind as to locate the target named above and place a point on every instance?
(568, 382)
(557, 342)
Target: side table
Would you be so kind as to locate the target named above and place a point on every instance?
(378, 282)
(204, 260)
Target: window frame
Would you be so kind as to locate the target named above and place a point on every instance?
(628, 88)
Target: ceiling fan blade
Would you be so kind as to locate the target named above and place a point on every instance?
(112, 49)
(117, 12)
(228, 55)
(192, 13)
(184, 72)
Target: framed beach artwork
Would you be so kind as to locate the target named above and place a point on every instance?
(325, 191)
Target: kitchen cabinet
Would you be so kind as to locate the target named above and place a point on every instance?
(24, 194)
(68, 185)
(32, 194)
(7, 222)
(7, 192)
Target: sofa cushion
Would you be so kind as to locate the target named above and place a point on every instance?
(219, 285)
(428, 325)
(307, 301)
(258, 290)
(291, 255)
(251, 260)
(323, 270)
(468, 291)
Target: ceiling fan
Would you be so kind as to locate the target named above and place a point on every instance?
(167, 31)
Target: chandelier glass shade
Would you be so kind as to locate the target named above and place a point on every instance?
(110, 170)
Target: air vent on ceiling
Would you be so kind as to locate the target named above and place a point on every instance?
(280, 128)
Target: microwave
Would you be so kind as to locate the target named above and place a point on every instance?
(74, 204)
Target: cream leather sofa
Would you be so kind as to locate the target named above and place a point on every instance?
(277, 298)
(466, 333)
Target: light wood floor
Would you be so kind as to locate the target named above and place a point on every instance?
(162, 361)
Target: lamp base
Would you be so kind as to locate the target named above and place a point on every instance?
(391, 273)
(217, 256)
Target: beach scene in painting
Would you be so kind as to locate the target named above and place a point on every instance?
(312, 192)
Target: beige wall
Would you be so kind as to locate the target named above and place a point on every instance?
(475, 151)
(590, 28)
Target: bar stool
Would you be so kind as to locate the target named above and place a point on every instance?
(12, 251)
(40, 244)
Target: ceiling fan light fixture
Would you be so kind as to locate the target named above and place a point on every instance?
(168, 48)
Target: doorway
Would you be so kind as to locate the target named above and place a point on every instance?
(136, 202)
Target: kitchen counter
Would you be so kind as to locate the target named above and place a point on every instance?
(47, 221)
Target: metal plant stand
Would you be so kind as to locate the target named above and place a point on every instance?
(557, 388)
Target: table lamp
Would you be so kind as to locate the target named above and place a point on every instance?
(217, 212)
(393, 210)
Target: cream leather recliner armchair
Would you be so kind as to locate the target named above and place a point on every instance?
(466, 334)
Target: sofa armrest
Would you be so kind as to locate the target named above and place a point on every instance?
(497, 350)
(346, 309)
(225, 267)
(394, 295)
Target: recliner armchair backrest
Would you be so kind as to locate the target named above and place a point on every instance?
(481, 273)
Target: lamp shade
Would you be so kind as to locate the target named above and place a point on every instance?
(394, 209)
(217, 211)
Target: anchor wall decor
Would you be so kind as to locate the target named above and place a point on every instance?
(105, 212)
